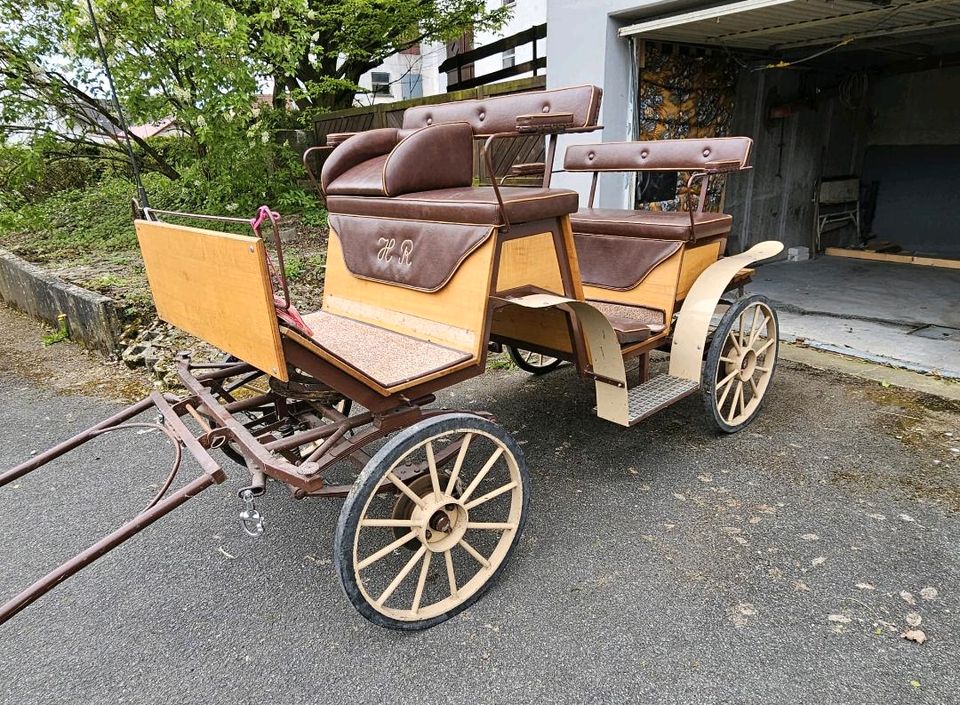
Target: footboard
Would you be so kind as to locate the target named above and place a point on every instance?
(215, 286)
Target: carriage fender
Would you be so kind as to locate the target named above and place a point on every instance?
(693, 322)
(603, 346)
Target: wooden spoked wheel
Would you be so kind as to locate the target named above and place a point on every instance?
(432, 519)
(740, 363)
(532, 362)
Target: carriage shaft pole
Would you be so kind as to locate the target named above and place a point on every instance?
(78, 440)
(88, 556)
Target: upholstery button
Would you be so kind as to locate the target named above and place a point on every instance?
(546, 108)
(591, 155)
(429, 121)
(706, 152)
(643, 154)
(482, 115)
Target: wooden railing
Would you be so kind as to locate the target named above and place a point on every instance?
(459, 61)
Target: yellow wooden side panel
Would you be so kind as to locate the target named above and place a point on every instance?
(657, 290)
(530, 261)
(215, 286)
(544, 327)
(695, 262)
(454, 316)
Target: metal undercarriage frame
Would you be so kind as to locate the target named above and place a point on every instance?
(294, 441)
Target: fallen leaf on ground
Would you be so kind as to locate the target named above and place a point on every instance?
(705, 478)
(908, 597)
(905, 517)
(819, 560)
(914, 619)
(916, 635)
(810, 537)
(800, 586)
(865, 586)
(929, 593)
(842, 618)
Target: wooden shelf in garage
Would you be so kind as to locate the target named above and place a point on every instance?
(899, 258)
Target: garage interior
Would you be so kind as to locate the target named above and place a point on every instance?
(854, 107)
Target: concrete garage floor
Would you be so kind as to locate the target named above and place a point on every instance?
(660, 564)
(871, 310)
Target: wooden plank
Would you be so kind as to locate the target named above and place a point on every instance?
(215, 286)
(895, 258)
(695, 260)
(530, 261)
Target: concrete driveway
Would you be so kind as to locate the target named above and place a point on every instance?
(661, 564)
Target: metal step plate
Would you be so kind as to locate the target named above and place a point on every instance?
(655, 394)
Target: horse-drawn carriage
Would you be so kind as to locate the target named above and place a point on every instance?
(426, 272)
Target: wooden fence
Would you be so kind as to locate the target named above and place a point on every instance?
(505, 152)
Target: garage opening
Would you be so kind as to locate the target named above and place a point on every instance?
(854, 106)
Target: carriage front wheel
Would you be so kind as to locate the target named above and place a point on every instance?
(740, 363)
(431, 521)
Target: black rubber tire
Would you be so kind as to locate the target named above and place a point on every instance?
(708, 376)
(524, 365)
(370, 479)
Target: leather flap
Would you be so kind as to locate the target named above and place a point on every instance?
(413, 254)
(620, 263)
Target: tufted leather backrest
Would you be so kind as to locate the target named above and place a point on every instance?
(659, 155)
(391, 162)
(490, 115)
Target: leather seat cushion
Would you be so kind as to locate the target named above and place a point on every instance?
(462, 205)
(662, 225)
(633, 324)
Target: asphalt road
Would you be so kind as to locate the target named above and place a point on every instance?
(661, 564)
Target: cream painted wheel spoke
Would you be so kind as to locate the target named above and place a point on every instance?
(404, 572)
(490, 495)
(386, 550)
(754, 330)
(726, 380)
(458, 464)
(763, 348)
(476, 554)
(432, 464)
(728, 385)
(411, 495)
(491, 525)
(753, 388)
(418, 595)
(389, 523)
(451, 573)
(482, 474)
(733, 404)
(728, 360)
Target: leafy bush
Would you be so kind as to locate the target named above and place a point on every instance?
(82, 221)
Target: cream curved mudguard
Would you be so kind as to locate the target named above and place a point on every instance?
(603, 347)
(693, 322)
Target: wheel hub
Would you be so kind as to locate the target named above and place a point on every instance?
(748, 364)
(442, 522)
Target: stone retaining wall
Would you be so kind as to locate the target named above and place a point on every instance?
(91, 317)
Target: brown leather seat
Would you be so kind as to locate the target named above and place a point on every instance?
(662, 225)
(461, 205)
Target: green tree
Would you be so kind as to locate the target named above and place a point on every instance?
(201, 62)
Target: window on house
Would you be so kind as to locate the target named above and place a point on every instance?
(411, 85)
(509, 58)
(380, 82)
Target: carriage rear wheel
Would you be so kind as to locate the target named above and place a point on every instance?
(740, 363)
(533, 362)
(459, 519)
